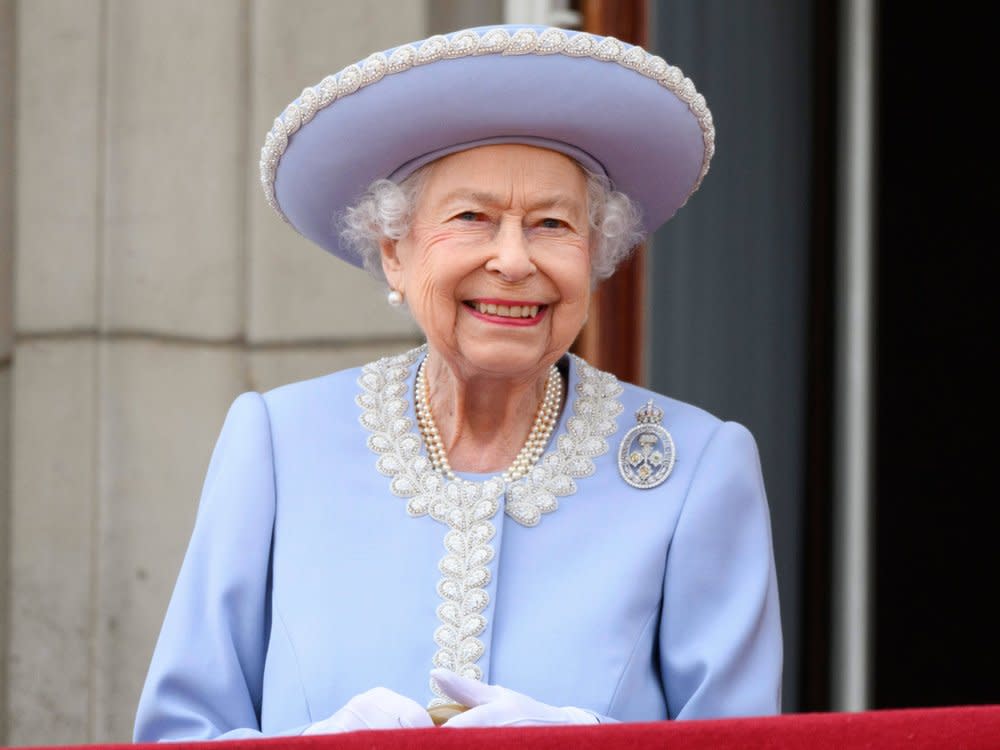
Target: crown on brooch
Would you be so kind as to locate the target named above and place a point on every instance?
(649, 414)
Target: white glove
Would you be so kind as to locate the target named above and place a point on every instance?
(495, 706)
(378, 708)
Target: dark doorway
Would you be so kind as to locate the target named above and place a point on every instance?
(937, 554)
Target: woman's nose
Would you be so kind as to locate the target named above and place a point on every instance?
(512, 256)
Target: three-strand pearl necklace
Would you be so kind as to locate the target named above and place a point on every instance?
(534, 446)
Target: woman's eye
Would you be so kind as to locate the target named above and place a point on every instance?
(469, 216)
(553, 223)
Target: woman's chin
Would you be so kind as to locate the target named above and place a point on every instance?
(503, 358)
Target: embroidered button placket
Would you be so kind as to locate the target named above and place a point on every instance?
(468, 508)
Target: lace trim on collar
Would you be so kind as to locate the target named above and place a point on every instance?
(595, 408)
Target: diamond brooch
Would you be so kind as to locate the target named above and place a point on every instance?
(646, 454)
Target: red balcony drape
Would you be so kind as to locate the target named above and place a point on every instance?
(965, 728)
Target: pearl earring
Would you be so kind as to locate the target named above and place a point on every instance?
(394, 297)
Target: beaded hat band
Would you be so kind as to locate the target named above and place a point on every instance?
(611, 106)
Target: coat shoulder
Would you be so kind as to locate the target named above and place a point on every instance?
(689, 425)
(319, 388)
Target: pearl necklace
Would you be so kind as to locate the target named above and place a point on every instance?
(534, 446)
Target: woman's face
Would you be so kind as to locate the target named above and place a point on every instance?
(496, 266)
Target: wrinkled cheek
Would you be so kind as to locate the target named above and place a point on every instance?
(567, 323)
(438, 320)
(579, 307)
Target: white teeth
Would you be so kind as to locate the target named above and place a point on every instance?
(507, 311)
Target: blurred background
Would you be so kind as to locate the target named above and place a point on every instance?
(827, 287)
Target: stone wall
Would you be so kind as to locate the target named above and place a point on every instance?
(6, 313)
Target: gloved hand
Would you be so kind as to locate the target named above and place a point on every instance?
(378, 708)
(495, 706)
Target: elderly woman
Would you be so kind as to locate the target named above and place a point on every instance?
(486, 520)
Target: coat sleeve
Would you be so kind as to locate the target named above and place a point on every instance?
(720, 637)
(205, 679)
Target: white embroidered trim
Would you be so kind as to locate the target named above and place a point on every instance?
(466, 43)
(595, 409)
(467, 507)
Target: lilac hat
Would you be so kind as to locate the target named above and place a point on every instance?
(613, 107)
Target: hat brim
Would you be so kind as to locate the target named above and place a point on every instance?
(654, 143)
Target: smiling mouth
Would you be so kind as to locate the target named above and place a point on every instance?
(526, 311)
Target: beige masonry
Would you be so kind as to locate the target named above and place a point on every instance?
(173, 227)
(144, 283)
(291, 55)
(58, 160)
(7, 52)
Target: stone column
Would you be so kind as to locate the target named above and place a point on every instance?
(305, 312)
(7, 38)
(58, 161)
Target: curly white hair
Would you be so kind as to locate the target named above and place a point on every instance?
(386, 208)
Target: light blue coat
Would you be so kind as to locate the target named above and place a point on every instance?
(318, 569)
